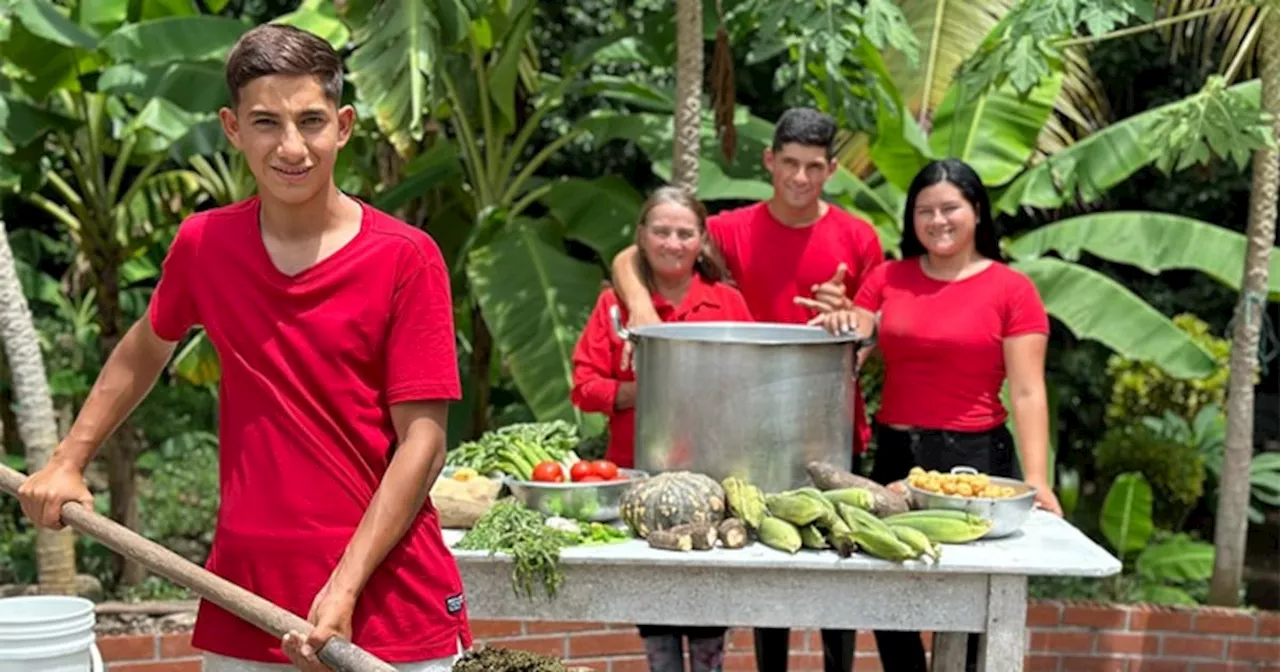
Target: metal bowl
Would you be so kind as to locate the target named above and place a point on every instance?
(594, 501)
(1006, 513)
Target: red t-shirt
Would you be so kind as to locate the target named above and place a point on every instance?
(597, 359)
(310, 367)
(943, 342)
(773, 263)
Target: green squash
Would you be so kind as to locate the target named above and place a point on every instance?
(666, 500)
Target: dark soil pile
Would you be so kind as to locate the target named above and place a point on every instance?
(494, 659)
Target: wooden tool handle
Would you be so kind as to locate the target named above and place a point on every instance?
(338, 653)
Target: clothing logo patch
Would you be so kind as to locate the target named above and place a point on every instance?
(454, 604)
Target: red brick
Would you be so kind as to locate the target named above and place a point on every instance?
(1172, 620)
(630, 664)
(1127, 642)
(598, 664)
(177, 646)
(1225, 623)
(1201, 647)
(1062, 642)
(740, 662)
(1082, 664)
(741, 639)
(1159, 666)
(1095, 616)
(1040, 663)
(487, 629)
(1043, 615)
(1269, 625)
(157, 666)
(866, 642)
(550, 646)
(1260, 651)
(127, 647)
(541, 627)
(1222, 667)
(605, 644)
(865, 664)
(804, 661)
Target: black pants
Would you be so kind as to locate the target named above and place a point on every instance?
(897, 451)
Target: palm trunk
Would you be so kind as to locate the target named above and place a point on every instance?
(55, 551)
(688, 119)
(1231, 527)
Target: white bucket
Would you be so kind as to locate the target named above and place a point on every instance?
(48, 633)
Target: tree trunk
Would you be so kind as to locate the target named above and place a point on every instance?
(121, 448)
(55, 551)
(688, 119)
(1232, 524)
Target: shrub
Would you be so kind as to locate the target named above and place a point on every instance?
(1174, 469)
(1140, 388)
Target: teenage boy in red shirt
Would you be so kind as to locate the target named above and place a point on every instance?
(780, 251)
(333, 325)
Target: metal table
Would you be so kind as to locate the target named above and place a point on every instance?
(979, 587)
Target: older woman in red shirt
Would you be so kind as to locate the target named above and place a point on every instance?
(686, 277)
(952, 323)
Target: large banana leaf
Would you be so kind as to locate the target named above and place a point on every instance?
(1084, 171)
(535, 299)
(321, 18)
(600, 213)
(175, 38)
(195, 87)
(995, 133)
(393, 67)
(949, 31)
(1152, 241)
(1096, 308)
(1126, 514)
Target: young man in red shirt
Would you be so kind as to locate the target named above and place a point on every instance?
(780, 252)
(333, 325)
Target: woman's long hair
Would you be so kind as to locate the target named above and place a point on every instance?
(961, 176)
(709, 264)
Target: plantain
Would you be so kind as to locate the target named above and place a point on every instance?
(946, 529)
(778, 533)
(795, 508)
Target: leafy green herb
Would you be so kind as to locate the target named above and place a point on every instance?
(516, 449)
(512, 528)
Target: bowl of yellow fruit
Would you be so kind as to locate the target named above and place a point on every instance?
(1006, 502)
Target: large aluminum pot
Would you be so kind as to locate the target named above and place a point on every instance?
(753, 400)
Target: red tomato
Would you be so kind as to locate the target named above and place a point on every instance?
(606, 470)
(580, 470)
(592, 478)
(548, 472)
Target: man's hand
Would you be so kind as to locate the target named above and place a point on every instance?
(44, 492)
(639, 318)
(830, 295)
(330, 615)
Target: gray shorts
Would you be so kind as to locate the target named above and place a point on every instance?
(216, 663)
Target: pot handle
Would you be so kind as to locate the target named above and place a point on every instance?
(615, 315)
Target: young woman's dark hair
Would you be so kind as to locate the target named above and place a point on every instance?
(961, 176)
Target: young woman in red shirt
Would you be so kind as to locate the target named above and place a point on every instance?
(685, 275)
(952, 324)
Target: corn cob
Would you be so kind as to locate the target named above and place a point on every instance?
(816, 495)
(812, 537)
(745, 501)
(794, 508)
(859, 519)
(882, 543)
(778, 533)
(857, 497)
(918, 541)
(948, 530)
(931, 513)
